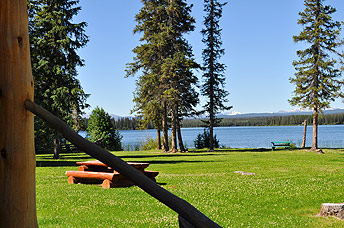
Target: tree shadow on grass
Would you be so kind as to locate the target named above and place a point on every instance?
(175, 162)
(57, 163)
(61, 163)
(162, 155)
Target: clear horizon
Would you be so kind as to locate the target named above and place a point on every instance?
(257, 37)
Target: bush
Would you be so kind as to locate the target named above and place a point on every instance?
(101, 130)
(202, 140)
(148, 144)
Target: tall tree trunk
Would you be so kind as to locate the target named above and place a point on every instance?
(212, 81)
(165, 147)
(17, 157)
(57, 144)
(304, 134)
(180, 138)
(211, 131)
(315, 128)
(158, 139)
(174, 148)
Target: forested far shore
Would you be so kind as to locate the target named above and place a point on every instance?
(132, 123)
(330, 119)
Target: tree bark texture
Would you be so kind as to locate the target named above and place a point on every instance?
(211, 132)
(17, 160)
(174, 148)
(164, 129)
(304, 134)
(315, 128)
(158, 139)
(57, 144)
(332, 209)
(180, 138)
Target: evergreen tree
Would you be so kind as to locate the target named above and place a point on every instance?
(165, 60)
(177, 75)
(317, 76)
(148, 60)
(54, 41)
(214, 78)
(102, 131)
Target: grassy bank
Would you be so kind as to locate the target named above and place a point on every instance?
(286, 192)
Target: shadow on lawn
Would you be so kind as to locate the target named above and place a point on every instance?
(61, 163)
(57, 163)
(164, 155)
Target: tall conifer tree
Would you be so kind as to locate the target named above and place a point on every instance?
(148, 98)
(178, 77)
(54, 41)
(165, 60)
(318, 75)
(214, 71)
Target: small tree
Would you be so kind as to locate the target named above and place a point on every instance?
(102, 131)
(203, 140)
(318, 73)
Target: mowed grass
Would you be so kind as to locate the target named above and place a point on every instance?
(287, 191)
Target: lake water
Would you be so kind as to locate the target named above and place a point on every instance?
(330, 136)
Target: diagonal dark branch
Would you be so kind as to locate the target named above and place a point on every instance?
(182, 207)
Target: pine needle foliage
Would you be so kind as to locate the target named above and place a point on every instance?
(318, 72)
(164, 61)
(214, 71)
(55, 39)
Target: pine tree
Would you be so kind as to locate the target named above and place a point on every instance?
(148, 60)
(214, 71)
(165, 60)
(317, 76)
(54, 41)
(177, 75)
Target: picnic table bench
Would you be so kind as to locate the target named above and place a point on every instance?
(284, 144)
(96, 172)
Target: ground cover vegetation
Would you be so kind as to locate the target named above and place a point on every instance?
(319, 68)
(287, 191)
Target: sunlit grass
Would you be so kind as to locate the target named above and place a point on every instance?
(287, 191)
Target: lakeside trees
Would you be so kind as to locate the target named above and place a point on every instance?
(102, 131)
(165, 88)
(317, 76)
(214, 78)
(54, 41)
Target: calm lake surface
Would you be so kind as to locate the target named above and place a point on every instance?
(330, 136)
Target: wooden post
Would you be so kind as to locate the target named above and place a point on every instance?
(304, 134)
(17, 159)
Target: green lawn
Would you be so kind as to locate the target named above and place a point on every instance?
(286, 192)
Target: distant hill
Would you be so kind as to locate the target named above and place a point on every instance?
(281, 113)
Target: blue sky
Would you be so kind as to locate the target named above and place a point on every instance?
(257, 37)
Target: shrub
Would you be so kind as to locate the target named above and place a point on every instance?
(101, 130)
(202, 140)
(148, 144)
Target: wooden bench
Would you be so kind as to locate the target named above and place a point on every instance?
(284, 144)
(96, 172)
